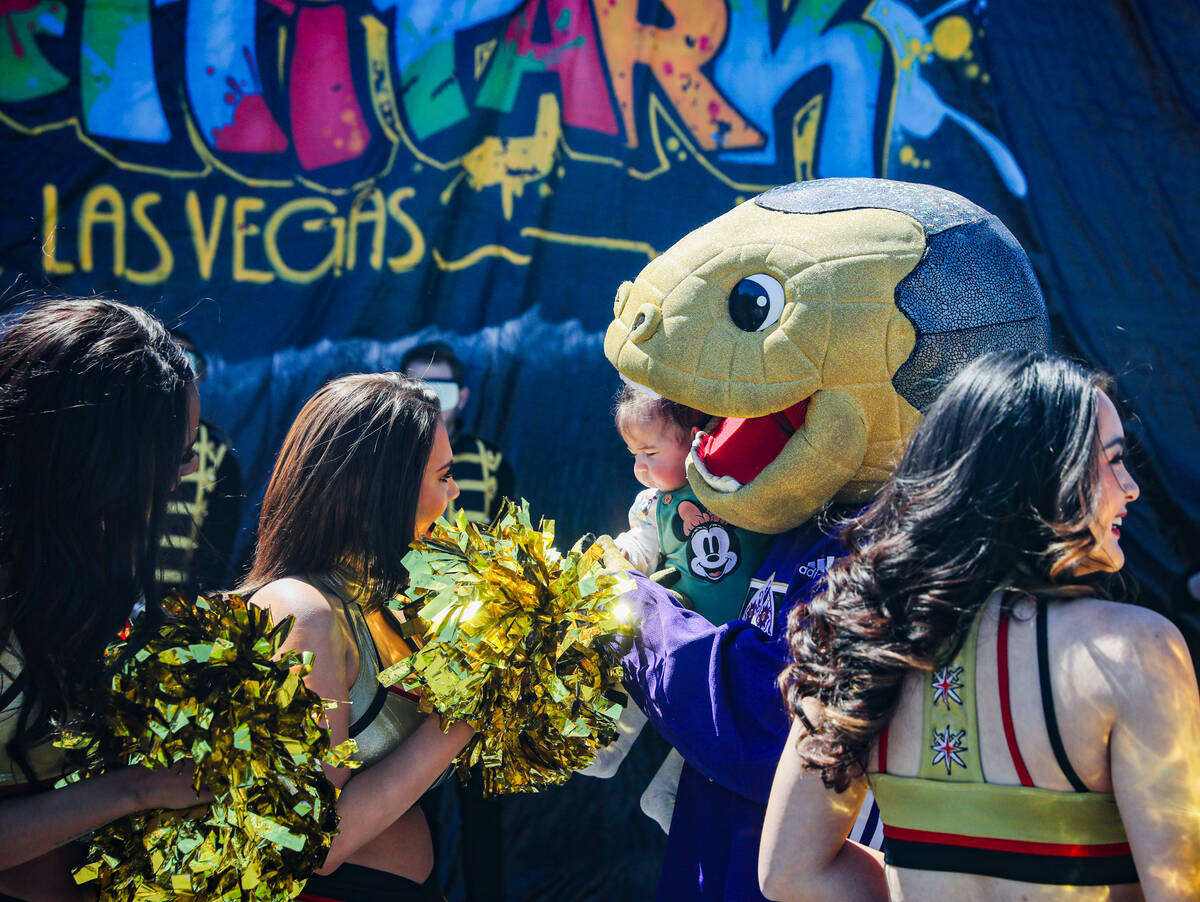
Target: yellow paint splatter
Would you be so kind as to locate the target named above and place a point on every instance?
(908, 157)
(672, 144)
(952, 37)
(545, 190)
(483, 56)
(681, 156)
(804, 137)
(972, 70)
(514, 163)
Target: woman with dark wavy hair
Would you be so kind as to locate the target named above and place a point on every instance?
(364, 470)
(98, 412)
(1022, 735)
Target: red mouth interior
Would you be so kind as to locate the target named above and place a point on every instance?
(742, 448)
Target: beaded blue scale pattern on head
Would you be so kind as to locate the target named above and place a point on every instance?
(973, 290)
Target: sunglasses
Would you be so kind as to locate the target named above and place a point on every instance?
(447, 393)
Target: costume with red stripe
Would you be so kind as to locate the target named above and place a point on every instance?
(948, 819)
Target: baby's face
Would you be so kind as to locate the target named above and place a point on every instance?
(659, 453)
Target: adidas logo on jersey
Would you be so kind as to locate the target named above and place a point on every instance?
(815, 568)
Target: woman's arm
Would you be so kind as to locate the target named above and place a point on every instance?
(1154, 751)
(804, 854)
(370, 801)
(48, 878)
(33, 825)
(36, 831)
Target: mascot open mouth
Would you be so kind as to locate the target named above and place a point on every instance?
(737, 449)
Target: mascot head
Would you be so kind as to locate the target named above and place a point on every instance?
(814, 323)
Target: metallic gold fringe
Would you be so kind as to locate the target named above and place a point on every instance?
(206, 688)
(513, 639)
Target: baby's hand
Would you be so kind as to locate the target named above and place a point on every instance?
(613, 558)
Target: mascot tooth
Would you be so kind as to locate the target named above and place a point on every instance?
(814, 323)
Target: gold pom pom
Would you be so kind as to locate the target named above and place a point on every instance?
(513, 639)
(205, 688)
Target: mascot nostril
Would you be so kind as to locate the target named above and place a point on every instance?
(645, 324)
(813, 324)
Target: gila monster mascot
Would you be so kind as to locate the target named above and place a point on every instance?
(814, 323)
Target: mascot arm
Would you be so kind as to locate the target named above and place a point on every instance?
(709, 690)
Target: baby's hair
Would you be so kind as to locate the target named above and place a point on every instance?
(636, 406)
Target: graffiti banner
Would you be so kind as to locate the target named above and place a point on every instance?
(375, 166)
(287, 172)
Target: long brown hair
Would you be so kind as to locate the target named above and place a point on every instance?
(345, 486)
(93, 430)
(997, 484)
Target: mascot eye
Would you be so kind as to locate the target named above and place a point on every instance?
(756, 302)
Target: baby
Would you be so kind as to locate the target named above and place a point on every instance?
(668, 527)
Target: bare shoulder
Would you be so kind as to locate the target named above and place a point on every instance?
(1132, 654)
(1122, 627)
(318, 626)
(298, 598)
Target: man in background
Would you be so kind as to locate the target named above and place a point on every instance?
(483, 476)
(484, 480)
(204, 510)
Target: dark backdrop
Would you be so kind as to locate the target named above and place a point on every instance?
(312, 188)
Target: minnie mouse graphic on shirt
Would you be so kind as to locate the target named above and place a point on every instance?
(713, 551)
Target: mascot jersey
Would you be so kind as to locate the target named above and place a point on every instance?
(813, 324)
(731, 735)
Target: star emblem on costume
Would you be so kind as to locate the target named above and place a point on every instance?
(946, 684)
(946, 746)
